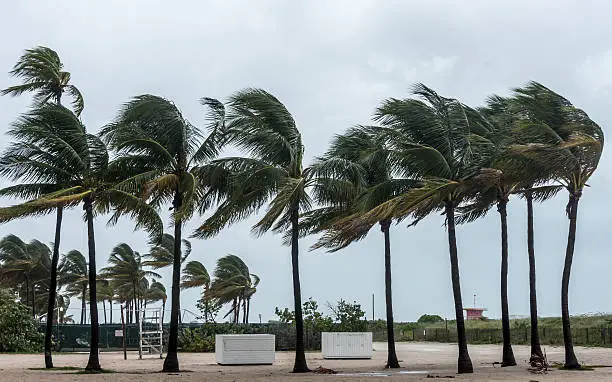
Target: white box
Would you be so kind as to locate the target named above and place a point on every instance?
(346, 345)
(244, 349)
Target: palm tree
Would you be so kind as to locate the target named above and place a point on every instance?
(566, 137)
(156, 292)
(126, 268)
(41, 72)
(195, 275)
(517, 175)
(106, 291)
(440, 142)
(161, 254)
(83, 160)
(273, 172)
(74, 275)
(24, 264)
(348, 194)
(233, 283)
(166, 153)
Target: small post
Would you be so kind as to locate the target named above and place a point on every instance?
(123, 328)
(372, 307)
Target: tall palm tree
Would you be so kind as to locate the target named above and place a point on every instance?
(24, 264)
(161, 254)
(126, 268)
(156, 292)
(166, 152)
(106, 292)
(84, 160)
(568, 138)
(233, 283)
(74, 275)
(41, 72)
(195, 275)
(517, 175)
(362, 148)
(272, 173)
(440, 142)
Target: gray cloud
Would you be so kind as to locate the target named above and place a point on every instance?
(331, 63)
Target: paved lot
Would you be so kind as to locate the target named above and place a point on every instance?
(418, 360)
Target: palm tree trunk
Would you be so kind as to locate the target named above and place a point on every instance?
(83, 306)
(110, 309)
(244, 311)
(507, 353)
(171, 363)
(570, 358)
(137, 314)
(392, 361)
(248, 310)
(300, 365)
(53, 289)
(34, 300)
(94, 360)
(536, 351)
(53, 284)
(27, 295)
(104, 308)
(464, 363)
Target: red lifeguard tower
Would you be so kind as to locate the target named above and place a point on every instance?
(474, 313)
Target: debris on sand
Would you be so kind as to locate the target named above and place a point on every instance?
(323, 370)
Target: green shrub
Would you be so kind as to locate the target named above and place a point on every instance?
(429, 319)
(19, 332)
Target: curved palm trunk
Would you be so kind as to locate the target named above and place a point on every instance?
(300, 365)
(392, 361)
(53, 289)
(464, 363)
(570, 358)
(536, 351)
(171, 363)
(94, 361)
(507, 353)
(104, 308)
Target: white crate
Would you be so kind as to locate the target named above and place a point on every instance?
(244, 349)
(346, 345)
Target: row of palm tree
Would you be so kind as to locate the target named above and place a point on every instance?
(423, 154)
(25, 268)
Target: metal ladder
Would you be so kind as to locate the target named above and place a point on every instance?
(151, 332)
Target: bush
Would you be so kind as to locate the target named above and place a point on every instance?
(430, 319)
(18, 330)
(194, 340)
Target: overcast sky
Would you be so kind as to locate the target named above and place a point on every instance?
(331, 63)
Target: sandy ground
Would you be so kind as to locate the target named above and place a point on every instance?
(418, 360)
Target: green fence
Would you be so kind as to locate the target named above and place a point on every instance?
(72, 337)
(548, 335)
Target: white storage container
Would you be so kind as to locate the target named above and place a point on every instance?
(346, 345)
(244, 349)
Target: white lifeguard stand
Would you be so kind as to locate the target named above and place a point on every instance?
(151, 332)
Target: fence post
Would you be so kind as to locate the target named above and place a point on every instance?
(587, 335)
(526, 333)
